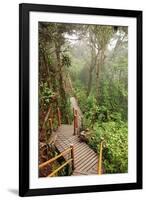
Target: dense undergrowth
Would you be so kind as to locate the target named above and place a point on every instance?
(107, 126)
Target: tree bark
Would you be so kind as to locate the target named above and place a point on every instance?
(99, 65)
(89, 82)
(61, 83)
(91, 68)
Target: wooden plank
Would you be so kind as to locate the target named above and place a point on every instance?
(82, 157)
(83, 151)
(78, 173)
(82, 166)
(85, 158)
(80, 146)
(89, 165)
(61, 149)
(93, 169)
(62, 142)
(65, 145)
(86, 163)
(73, 140)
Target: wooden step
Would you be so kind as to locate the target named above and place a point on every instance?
(85, 158)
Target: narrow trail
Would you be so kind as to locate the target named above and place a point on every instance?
(85, 158)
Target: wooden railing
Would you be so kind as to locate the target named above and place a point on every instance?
(99, 168)
(75, 114)
(62, 154)
(49, 119)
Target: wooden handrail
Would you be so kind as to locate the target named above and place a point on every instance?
(55, 158)
(100, 159)
(75, 112)
(71, 149)
(75, 124)
(50, 122)
(59, 168)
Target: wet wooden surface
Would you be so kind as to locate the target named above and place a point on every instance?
(84, 157)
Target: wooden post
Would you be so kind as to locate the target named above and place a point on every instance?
(76, 121)
(75, 116)
(100, 160)
(59, 117)
(72, 156)
(76, 113)
(50, 125)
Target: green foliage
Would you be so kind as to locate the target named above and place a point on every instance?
(115, 149)
(66, 114)
(76, 67)
(66, 60)
(103, 34)
(106, 126)
(81, 96)
(66, 171)
(45, 94)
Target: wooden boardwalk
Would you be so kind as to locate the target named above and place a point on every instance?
(85, 158)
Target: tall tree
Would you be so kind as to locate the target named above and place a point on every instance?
(103, 35)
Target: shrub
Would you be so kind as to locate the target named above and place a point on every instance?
(115, 148)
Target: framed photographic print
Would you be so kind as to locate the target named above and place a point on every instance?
(80, 99)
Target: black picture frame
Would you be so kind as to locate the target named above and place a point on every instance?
(24, 10)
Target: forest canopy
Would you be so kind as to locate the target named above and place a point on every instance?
(90, 63)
